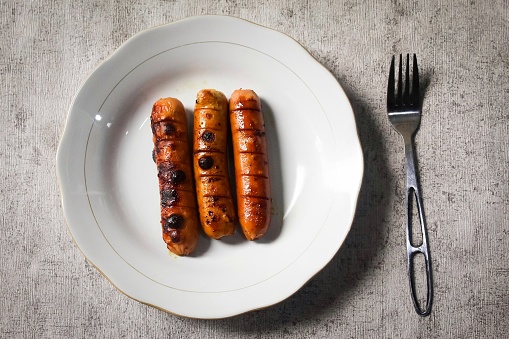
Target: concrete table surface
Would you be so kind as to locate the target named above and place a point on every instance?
(49, 290)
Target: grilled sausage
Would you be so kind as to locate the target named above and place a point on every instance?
(215, 203)
(251, 163)
(179, 217)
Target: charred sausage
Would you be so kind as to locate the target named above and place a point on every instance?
(250, 162)
(215, 203)
(179, 217)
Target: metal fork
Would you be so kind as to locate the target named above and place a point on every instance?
(404, 111)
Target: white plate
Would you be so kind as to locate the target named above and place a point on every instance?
(109, 182)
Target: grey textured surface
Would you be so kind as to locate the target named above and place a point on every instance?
(48, 290)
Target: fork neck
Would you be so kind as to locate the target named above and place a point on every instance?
(408, 136)
(410, 161)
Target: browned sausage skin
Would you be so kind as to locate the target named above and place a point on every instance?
(215, 203)
(179, 217)
(251, 163)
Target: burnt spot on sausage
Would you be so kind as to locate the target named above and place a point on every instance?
(175, 236)
(211, 218)
(206, 162)
(169, 129)
(154, 154)
(177, 177)
(169, 197)
(165, 170)
(165, 167)
(208, 136)
(174, 221)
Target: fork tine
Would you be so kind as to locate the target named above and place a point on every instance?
(400, 81)
(415, 83)
(407, 81)
(390, 86)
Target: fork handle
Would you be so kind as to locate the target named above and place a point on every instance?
(412, 187)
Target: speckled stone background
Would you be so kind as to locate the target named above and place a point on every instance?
(48, 289)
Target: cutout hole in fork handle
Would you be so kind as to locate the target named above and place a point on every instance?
(414, 222)
(419, 283)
